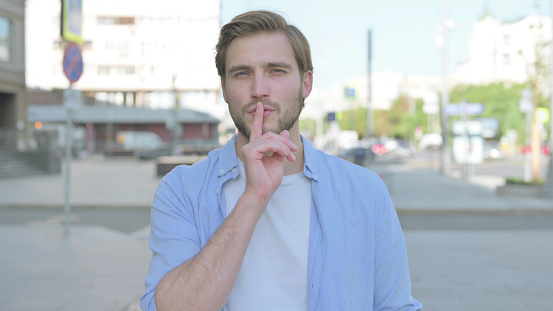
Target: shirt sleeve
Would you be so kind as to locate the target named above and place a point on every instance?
(392, 288)
(174, 237)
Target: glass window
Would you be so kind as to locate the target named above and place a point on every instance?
(5, 39)
(506, 59)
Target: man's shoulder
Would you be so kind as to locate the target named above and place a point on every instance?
(194, 172)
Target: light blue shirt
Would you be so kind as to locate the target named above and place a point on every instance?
(357, 257)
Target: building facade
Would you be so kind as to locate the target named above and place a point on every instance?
(155, 54)
(12, 64)
(505, 50)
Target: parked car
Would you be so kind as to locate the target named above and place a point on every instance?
(357, 155)
(139, 140)
(545, 149)
(492, 150)
(403, 149)
(431, 141)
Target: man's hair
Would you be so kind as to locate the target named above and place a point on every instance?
(255, 22)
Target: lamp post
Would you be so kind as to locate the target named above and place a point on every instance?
(446, 160)
(369, 87)
(548, 191)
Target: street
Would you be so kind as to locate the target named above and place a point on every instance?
(469, 249)
(128, 220)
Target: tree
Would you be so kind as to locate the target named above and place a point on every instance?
(500, 101)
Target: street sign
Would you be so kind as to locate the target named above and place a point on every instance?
(468, 142)
(72, 99)
(349, 92)
(72, 20)
(542, 115)
(458, 110)
(72, 62)
(525, 104)
(431, 102)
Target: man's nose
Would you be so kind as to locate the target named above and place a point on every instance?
(259, 88)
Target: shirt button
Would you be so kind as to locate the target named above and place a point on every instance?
(218, 190)
(222, 171)
(235, 170)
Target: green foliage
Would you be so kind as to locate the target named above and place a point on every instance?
(520, 181)
(500, 101)
(354, 120)
(308, 126)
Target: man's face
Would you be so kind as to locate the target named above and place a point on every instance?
(262, 68)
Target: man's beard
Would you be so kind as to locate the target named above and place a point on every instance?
(285, 120)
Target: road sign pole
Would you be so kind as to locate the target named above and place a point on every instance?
(68, 147)
(527, 160)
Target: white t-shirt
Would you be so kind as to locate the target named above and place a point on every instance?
(273, 275)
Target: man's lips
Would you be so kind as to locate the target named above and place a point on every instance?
(266, 111)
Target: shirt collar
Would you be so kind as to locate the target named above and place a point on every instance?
(310, 166)
(228, 159)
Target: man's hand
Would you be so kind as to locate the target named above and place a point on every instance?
(264, 159)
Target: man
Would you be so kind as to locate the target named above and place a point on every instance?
(268, 222)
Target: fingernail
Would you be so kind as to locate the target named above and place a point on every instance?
(293, 156)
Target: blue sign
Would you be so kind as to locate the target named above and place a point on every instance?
(72, 62)
(470, 109)
(349, 92)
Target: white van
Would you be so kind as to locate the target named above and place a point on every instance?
(138, 140)
(431, 141)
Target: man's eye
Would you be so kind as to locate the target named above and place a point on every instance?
(240, 74)
(278, 71)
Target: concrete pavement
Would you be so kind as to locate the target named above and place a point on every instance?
(95, 268)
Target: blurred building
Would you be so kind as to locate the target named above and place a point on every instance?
(387, 86)
(141, 53)
(12, 66)
(505, 50)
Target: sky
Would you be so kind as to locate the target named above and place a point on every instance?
(403, 31)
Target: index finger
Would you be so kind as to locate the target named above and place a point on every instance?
(257, 126)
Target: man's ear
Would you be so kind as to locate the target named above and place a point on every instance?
(223, 88)
(307, 83)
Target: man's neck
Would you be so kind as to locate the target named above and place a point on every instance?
(289, 167)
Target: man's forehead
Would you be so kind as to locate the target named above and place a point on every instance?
(261, 48)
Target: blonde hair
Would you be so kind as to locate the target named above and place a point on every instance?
(253, 22)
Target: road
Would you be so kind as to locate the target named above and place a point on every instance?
(128, 220)
(508, 167)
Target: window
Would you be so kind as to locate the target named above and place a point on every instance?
(115, 20)
(506, 39)
(506, 59)
(5, 40)
(116, 70)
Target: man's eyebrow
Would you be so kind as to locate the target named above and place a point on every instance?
(238, 68)
(279, 64)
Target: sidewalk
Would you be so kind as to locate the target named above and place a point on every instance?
(100, 269)
(126, 182)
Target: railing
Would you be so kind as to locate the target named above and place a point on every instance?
(13, 140)
(29, 152)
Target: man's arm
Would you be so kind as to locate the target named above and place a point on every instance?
(392, 284)
(206, 280)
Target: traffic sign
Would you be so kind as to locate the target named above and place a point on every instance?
(525, 104)
(458, 110)
(542, 115)
(72, 62)
(72, 99)
(431, 103)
